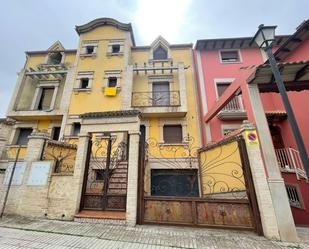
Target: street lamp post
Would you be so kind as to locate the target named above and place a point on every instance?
(264, 38)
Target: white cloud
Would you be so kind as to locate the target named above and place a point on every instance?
(161, 17)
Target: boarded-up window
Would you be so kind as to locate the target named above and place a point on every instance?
(23, 136)
(230, 56)
(159, 53)
(76, 129)
(46, 98)
(172, 133)
(174, 182)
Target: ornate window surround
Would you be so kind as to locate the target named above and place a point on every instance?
(114, 74)
(81, 75)
(172, 121)
(120, 42)
(38, 93)
(160, 41)
(85, 44)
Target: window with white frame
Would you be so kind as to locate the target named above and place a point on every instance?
(115, 47)
(112, 79)
(172, 131)
(84, 81)
(89, 48)
(230, 56)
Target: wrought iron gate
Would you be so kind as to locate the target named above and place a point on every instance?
(105, 178)
(226, 199)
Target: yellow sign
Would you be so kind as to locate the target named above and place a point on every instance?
(110, 91)
(251, 138)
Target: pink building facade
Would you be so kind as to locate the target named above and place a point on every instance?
(222, 65)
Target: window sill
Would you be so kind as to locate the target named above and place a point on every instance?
(62, 174)
(159, 61)
(173, 144)
(16, 146)
(87, 55)
(231, 62)
(109, 54)
(77, 90)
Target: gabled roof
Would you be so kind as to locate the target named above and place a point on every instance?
(300, 35)
(57, 46)
(104, 21)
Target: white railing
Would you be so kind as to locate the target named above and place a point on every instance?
(234, 105)
(289, 160)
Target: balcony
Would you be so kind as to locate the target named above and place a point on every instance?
(289, 161)
(158, 103)
(233, 110)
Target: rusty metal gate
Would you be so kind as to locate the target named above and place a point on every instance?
(105, 178)
(220, 193)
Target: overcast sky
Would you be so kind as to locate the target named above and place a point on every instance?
(36, 24)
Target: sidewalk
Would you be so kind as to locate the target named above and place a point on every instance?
(21, 232)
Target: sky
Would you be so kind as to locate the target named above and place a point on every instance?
(36, 24)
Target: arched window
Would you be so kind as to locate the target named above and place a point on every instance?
(159, 53)
(54, 58)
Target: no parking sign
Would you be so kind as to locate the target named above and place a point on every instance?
(251, 138)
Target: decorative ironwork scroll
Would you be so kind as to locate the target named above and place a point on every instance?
(221, 171)
(62, 153)
(154, 99)
(108, 157)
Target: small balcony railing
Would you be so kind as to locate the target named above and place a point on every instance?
(235, 105)
(289, 160)
(156, 99)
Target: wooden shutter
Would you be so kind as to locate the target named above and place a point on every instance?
(221, 88)
(172, 133)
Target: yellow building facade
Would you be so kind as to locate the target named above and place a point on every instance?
(105, 103)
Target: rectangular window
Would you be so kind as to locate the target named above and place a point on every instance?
(56, 133)
(294, 196)
(230, 56)
(84, 83)
(221, 87)
(161, 94)
(46, 98)
(115, 48)
(23, 136)
(172, 133)
(174, 182)
(89, 49)
(76, 129)
(112, 82)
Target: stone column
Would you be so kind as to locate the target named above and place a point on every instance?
(32, 199)
(286, 226)
(132, 186)
(79, 169)
(263, 195)
(127, 88)
(182, 87)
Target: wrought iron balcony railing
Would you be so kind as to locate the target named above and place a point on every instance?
(156, 99)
